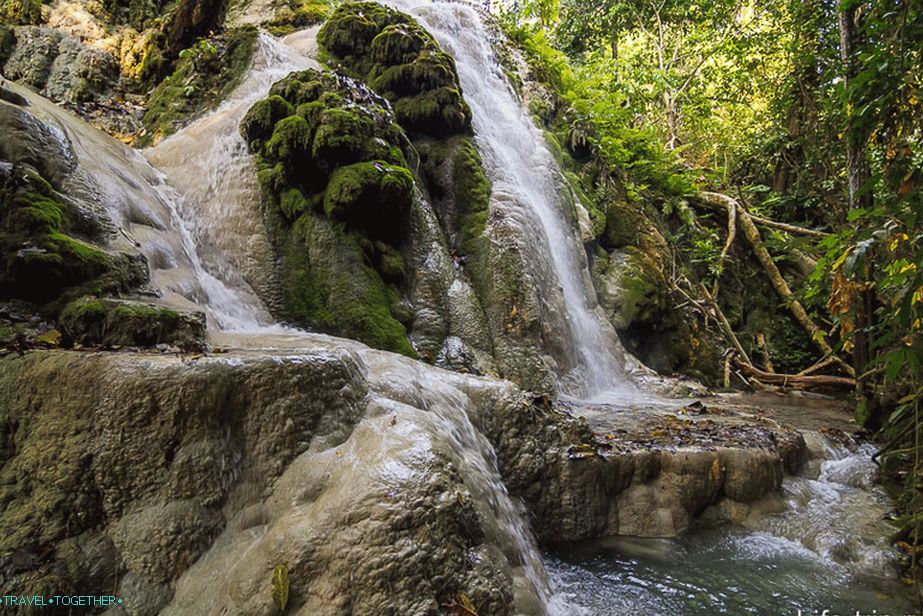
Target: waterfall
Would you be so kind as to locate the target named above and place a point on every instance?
(526, 175)
(209, 168)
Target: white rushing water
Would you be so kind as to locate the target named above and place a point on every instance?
(525, 174)
(208, 164)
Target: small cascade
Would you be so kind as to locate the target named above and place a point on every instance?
(836, 509)
(526, 177)
(208, 164)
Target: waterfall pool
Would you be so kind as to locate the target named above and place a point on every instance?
(731, 571)
(829, 549)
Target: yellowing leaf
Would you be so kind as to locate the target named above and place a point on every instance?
(280, 584)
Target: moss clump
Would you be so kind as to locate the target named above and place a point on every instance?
(402, 62)
(41, 261)
(330, 286)
(337, 196)
(204, 76)
(21, 12)
(298, 14)
(260, 120)
(290, 144)
(372, 196)
(113, 323)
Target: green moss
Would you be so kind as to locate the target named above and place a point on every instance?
(399, 44)
(113, 323)
(337, 194)
(472, 195)
(341, 136)
(290, 143)
(373, 196)
(402, 62)
(260, 120)
(353, 26)
(21, 12)
(42, 262)
(205, 75)
(298, 15)
(292, 203)
(328, 286)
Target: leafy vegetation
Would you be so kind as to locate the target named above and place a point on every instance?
(205, 74)
(808, 117)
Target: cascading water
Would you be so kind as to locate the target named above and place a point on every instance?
(525, 174)
(208, 164)
(196, 219)
(208, 167)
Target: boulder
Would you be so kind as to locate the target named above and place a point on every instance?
(119, 323)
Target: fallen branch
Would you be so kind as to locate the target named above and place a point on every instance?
(725, 325)
(752, 234)
(823, 363)
(767, 222)
(793, 229)
(796, 381)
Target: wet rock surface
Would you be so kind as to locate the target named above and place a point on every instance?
(379, 482)
(650, 469)
(123, 323)
(369, 486)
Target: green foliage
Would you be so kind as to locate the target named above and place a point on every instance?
(204, 76)
(297, 15)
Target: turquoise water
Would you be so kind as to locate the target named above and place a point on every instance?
(707, 572)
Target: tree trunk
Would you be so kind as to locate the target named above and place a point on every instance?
(860, 196)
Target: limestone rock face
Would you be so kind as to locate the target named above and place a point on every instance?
(59, 66)
(382, 484)
(161, 473)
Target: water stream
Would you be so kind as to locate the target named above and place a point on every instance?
(827, 550)
(526, 177)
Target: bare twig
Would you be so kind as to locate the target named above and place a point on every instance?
(732, 233)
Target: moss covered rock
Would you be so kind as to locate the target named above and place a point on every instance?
(372, 196)
(401, 61)
(205, 74)
(337, 194)
(116, 323)
(43, 260)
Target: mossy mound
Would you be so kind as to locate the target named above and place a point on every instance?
(117, 323)
(337, 194)
(297, 14)
(401, 61)
(370, 196)
(205, 74)
(43, 258)
(21, 12)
